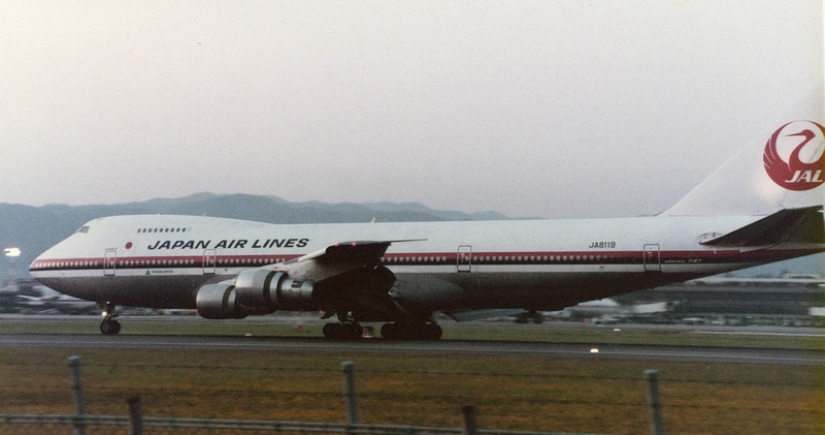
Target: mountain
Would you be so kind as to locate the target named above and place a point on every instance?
(35, 229)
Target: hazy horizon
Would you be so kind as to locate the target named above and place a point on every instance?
(546, 109)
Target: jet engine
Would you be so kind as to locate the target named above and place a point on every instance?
(217, 301)
(256, 291)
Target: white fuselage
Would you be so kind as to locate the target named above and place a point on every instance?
(162, 261)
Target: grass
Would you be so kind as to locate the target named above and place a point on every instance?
(509, 392)
(517, 393)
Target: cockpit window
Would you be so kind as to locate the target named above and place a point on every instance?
(84, 229)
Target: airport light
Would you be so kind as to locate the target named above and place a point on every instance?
(12, 252)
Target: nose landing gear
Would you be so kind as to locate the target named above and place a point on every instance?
(109, 326)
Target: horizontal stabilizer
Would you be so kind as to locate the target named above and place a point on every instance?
(802, 225)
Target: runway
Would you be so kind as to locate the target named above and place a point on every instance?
(444, 347)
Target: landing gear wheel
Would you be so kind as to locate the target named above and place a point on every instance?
(332, 330)
(351, 331)
(390, 331)
(109, 327)
(432, 332)
(343, 331)
(411, 331)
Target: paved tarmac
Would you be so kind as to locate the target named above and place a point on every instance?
(443, 347)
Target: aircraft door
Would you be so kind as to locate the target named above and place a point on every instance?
(210, 260)
(109, 262)
(652, 258)
(465, 257)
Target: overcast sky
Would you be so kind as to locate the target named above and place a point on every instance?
(549, 108)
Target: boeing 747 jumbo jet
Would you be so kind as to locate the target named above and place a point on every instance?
(763, 205)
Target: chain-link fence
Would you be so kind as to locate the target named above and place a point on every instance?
(12, 424)
(135, 423)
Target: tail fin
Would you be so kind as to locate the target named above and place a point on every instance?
(787, 172)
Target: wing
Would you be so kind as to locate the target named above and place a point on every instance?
(342, 278)
(336, 259)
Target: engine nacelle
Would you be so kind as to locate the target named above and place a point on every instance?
(218, 301)
(267, 289)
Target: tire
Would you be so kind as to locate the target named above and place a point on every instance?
(109, 327)
(390, 331)
(115, 327)
(332, 330)
(351, 331)
(433, 332)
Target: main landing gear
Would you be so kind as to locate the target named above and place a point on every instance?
(411, 331)
(343, 331)
(346, 329)
(109, 326)
(349, 329)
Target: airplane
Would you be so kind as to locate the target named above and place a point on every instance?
(763, 205)
(608, 309)
(593, 310)
(60, 303)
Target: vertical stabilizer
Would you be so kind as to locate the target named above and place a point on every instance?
(785, 171)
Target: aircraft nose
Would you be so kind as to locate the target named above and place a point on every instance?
(37, 266)
(34, 266)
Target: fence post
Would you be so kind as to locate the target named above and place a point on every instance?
(135, 416)
(468, 420)
(349, 393)
(654, 403)
(79, 401)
